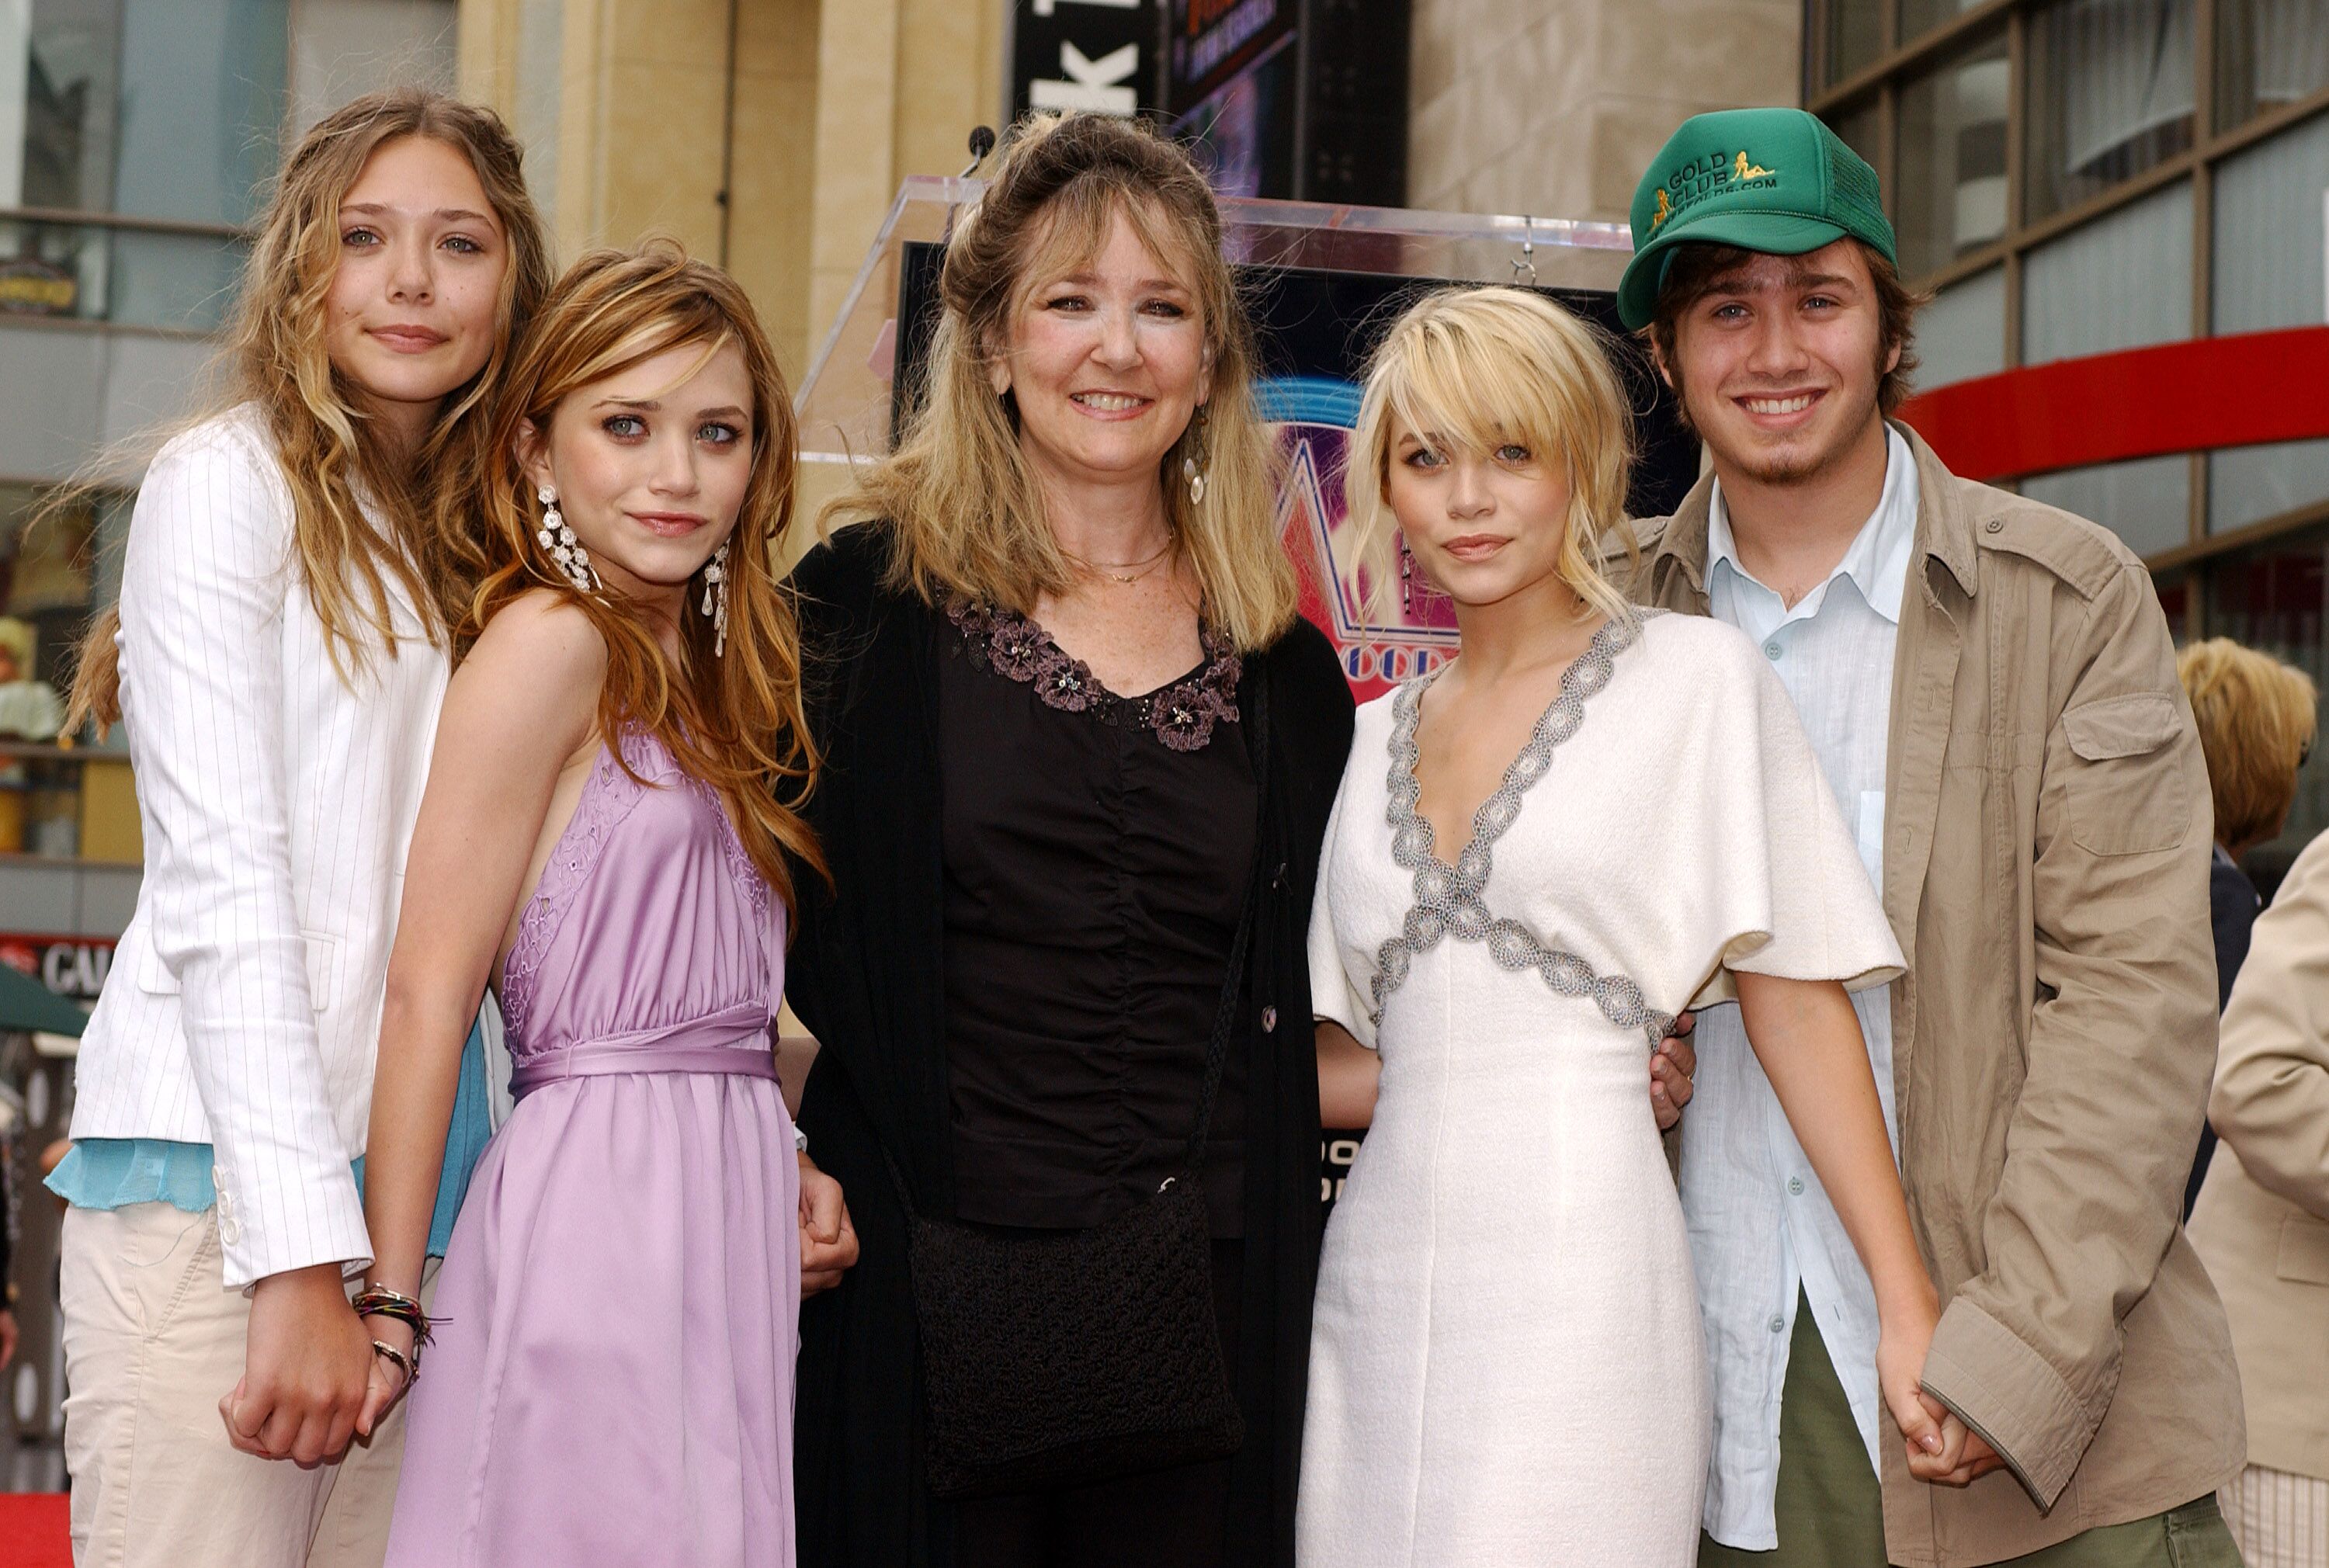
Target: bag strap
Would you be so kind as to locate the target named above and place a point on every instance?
(1225, 1012)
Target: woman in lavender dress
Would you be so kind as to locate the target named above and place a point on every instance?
(611, 1379)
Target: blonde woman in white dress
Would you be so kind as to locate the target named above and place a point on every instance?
(1591, 820)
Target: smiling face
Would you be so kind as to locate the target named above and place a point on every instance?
(1106, 362)
(1778, 362)
(1483, 526)
(409, 313)
(650, 464)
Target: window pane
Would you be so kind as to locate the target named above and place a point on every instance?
(1962, 333)
(2120, 282)
(2110, 95)
(1854, 36)
(2268, 231)
(2268, 52)
(2246, 485)
(124, 276)
(2147, 502)
(164, 110)
(61, 107)
(1950, 190)
(1919, 17)
(2272, 599)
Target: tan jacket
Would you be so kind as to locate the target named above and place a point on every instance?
(2047, 821)
(2262, 1223)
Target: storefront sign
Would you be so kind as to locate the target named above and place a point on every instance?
(31, 286)
(69, 966)
(1085, 54)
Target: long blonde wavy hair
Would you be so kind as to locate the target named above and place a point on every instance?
(1477, 368)
(733, 718)
(273, 357)
(967, 508)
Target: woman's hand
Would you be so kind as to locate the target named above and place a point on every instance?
(389, 1381)
(828, 1241)
(303, 1370)
(1904, 1335)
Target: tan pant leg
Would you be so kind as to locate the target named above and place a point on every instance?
(152, 1341)
(354, 1529)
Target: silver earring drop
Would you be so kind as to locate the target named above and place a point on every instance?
(1406, 579)
(1190, 470)
(715, 598)
(559, 540)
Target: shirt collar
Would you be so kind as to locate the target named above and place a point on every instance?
(1877, 560)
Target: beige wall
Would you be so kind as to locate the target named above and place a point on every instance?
(1554, 107)
(626, 111)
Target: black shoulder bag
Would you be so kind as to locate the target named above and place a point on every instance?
(1056, 1360)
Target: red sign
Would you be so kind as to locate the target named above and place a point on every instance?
(69, 966)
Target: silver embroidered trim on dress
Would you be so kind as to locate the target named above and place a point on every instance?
(1447, 898)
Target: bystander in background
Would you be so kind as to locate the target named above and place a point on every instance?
(2262, 1221)
(2256, 716)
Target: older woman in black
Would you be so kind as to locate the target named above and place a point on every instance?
(1039, 664)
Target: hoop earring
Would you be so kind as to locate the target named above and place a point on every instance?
(1190, 468)
(715, 598)
(564, 549)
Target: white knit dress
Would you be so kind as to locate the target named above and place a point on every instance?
(1506, 1362)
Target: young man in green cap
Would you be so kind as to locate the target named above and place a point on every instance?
(1991, 689)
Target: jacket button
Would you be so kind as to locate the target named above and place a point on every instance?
(1994, 525)
(1268, 1020)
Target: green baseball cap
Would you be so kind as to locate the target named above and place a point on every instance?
(1774, 180)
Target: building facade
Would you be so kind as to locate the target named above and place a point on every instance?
(2079, 180)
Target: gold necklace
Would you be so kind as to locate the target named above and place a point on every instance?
(1124, 572)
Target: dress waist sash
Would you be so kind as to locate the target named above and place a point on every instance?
(732, 1040)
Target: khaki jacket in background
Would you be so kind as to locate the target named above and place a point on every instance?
(2047, 839)
(2262, 1223)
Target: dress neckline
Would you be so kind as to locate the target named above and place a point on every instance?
(1450, 901)
(1181, 713)
(1415, 841)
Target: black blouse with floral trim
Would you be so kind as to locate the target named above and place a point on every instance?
(1097, 852)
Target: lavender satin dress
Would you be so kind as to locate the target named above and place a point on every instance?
(612, 1381)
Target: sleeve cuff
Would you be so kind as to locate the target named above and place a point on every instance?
(326, 1226)
(2011, 1395)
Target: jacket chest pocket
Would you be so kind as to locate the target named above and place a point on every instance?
(2124, 796)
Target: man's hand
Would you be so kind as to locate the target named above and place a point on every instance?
(1671, 1065)
(1963, 1458)
(7, 1338)
(305, 1366)
(828, 1240)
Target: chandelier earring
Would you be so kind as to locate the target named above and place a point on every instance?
(1190, 469)
(1406, 576)
(556, 537)
(715, 598)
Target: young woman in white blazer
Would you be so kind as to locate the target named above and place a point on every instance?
(281, 650)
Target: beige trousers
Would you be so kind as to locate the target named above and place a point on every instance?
(152, 1341)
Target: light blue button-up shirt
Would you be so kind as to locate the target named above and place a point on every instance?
(1761, 1228)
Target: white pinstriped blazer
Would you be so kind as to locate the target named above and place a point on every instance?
(278, 805)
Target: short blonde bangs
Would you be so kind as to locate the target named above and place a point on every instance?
(1474, 368)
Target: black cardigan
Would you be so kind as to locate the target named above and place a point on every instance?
(864, 974)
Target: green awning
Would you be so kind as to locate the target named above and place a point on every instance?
(27, 1005)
